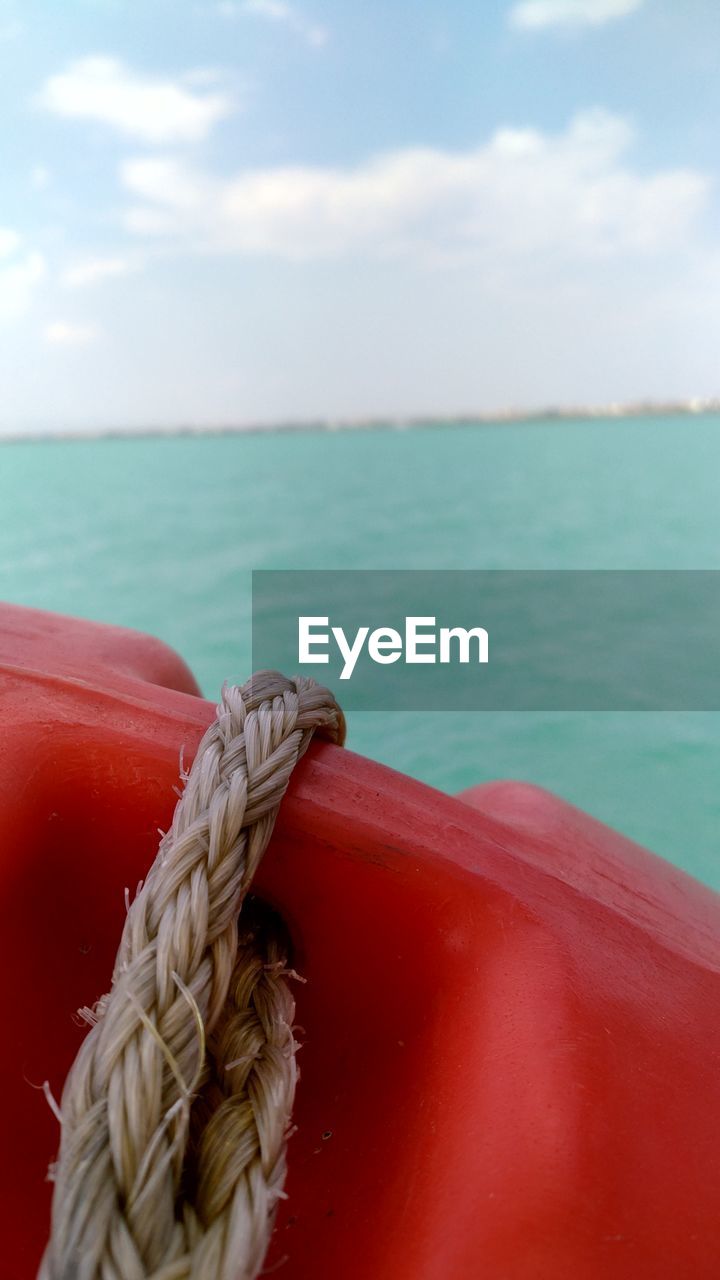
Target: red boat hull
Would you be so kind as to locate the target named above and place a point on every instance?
(510, 1067)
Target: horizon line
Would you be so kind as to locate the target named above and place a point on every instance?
(693, 406)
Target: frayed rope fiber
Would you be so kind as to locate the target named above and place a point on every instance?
(176, 1110)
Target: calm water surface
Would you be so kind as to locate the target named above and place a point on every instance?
(161, 534)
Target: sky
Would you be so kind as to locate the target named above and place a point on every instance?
(252, 211)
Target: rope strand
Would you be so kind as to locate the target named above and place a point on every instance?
(175, 1111)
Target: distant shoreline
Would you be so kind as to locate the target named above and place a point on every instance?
(609, 412)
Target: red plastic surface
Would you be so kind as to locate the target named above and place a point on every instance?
(512, 1041)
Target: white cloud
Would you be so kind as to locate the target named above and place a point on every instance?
(20, 273)
(89, 271)
(523, 197)
(62, 333)
(39, 177)
(153, 109)
(280, 12)
(9, 241)
(533, 15)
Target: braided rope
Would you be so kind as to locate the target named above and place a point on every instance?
(175, 1111)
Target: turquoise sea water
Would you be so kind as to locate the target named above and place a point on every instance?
(161, 534)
